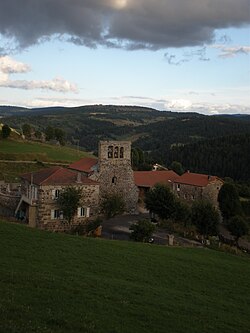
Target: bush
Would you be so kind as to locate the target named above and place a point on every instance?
(238, 227)
(205, 217)
(161, 201)
(112, 204)
(142, 231)
(93, 225)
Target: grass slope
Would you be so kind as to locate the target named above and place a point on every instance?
(19, 150)
(29, 151)
(59, 283)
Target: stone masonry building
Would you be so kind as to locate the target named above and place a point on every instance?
(40, 191)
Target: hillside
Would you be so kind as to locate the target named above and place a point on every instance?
(155, 132)
(59, 283)
(39, 153)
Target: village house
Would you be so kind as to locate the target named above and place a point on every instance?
(195, 186)
(145, 180)
(40, 191)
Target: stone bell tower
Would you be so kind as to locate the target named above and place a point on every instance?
(115, 172)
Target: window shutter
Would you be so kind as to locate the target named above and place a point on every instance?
(53, 194)
(87, 212)
(79, 211)
(52, 214)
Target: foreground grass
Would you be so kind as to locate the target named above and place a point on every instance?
(20, 150)
(59, 283)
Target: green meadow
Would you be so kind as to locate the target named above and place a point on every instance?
(60, 283)
(24, 150)
(11, 150)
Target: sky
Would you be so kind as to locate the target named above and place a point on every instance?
(178, 55)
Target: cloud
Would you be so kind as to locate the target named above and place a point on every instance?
(230, 52)
(125, 24)
(9, 66)
(57, 84)
(199, 54)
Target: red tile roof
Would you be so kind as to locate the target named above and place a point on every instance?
(85, 164)
(196, 179)
(150, 178)
(57, 176)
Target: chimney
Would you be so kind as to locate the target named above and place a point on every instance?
(78, 177)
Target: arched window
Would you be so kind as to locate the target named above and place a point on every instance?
(110, 151)
(121, 152)
(116, 152)
(114, 180)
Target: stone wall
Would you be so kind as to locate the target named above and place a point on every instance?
(46, 203)
(191, 193)
(115, 172)
(211, 192)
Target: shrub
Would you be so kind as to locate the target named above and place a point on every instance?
(142, 231)
(205, 217)
(112, 204)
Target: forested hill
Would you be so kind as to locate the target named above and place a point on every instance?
(156, 132)
(226, 156)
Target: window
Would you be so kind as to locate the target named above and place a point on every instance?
(114, 180)
(116, 152)
(80, 211)
(55, 194)
(83, 211)
(178, 187)
(121, 152)
(56, 214)
(110, 151)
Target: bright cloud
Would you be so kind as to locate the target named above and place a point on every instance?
(230, 52)
(182, 104)
(10, 66)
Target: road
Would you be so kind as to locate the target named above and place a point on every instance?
(118, 228)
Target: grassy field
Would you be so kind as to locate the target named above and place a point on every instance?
(59, 283)
(20, 150)
(30, 151)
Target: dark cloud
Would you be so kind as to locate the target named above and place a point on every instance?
(125, 24)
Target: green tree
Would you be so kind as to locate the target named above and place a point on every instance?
(38, 134)
(161, 201)
(205, 217)
(229, 201)
(134, 158)
(142, 231)
(59, 135)
(26, 128)
(50, 133)
(112, 204)
(238, 227)
(69, 201)
(6, 131)
(182, 213)
(177, 167)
